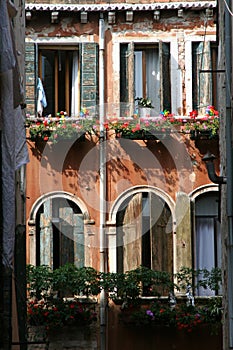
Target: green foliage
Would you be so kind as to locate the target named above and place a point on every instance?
(208, 125)
(144, 102)
(199, 278)
(68, 280)
(39, 279)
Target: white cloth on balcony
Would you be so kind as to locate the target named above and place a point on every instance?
(41, 97)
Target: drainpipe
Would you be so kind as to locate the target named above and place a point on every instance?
(102, 189)
(229, 167)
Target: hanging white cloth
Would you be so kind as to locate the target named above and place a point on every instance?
(41, 97)
(13, 140)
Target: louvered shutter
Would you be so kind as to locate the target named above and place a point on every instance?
(127, 76)
(183, 231)
(89, 75)
(129, 235)
(79, 242)
(202, 81)
(66, 235)
(46, 235)
(161, 236)
(31, 77)
(165, 79)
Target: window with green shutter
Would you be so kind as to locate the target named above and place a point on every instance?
(60, 234)
(204, 80)
(69, 76)
(145, 72)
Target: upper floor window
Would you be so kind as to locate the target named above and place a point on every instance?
(204, 83)
(145, 72)
(59, 71)
(69, 76)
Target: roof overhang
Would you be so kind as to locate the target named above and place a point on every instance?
(121, 6)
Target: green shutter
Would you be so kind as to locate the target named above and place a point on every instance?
(89, 74)
(183, 231)
(46, 235)
(165, 79)
(161, 235)
(66, 236)
(79, 242)
(202, 81)
(127, 77)
(124, 89)
(31, 75)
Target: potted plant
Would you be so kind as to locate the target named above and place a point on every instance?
(144, 106)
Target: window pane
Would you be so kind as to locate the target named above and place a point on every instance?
(204, 59)
(48, 79)
(56, 72)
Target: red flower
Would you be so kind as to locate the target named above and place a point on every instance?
(193, 114)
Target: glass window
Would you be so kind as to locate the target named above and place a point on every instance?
(145, 72)
(59, 72)
(207, 236)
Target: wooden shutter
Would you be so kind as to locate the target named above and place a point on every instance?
(183, 231)
(129, 234)
(66, 235)
(161, 237)
(31, 77)
(202, 81)
(124, 90)
(127, 75)
(89, 74)
(133, 233)
(79, 242)
(165, 79)
(46, 235)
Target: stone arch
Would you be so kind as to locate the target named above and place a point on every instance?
(136, 189)
(34, 210)
(111, 224)
(57, 194)
(203, 189)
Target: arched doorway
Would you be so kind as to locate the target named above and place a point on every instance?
(144, 233)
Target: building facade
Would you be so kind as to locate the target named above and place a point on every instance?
(106, 201)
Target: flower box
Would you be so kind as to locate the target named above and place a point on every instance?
(144, 135)
(203, 135)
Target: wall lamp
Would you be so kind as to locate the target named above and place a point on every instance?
(209, 161)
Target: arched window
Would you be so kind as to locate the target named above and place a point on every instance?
(59, 233)
(144, 233)
(207, 238)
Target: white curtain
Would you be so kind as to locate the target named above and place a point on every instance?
(75, 89)
(205, 248)
(153, 79)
